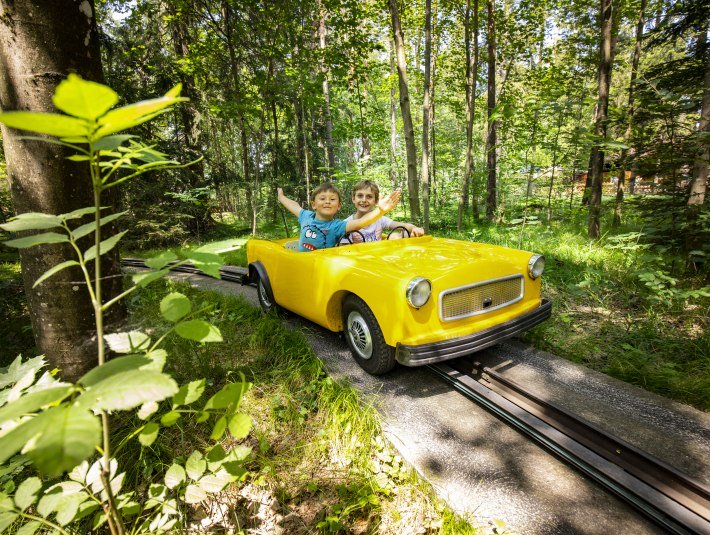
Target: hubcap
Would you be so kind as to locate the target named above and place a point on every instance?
(359, 334)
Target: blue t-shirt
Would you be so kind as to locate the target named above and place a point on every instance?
(317, 234)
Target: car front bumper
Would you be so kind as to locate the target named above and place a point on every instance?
(421, 355)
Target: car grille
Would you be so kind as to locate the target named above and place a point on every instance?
(480, 298)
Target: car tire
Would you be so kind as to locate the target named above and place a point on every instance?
(265, 301)
(365, 338)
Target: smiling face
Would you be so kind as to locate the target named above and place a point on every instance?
(364, 200)
(326, 204)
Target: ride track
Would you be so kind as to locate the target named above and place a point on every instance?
(676, 502)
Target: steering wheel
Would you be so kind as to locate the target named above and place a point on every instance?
(396, 229)
(349, 238)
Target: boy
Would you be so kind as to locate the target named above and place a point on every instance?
(366, 194)
(319, 227)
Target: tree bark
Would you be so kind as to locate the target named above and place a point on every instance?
(698, 184)
(491, 138)
(330, 152)
(629, 153)
(412, 181)
(393, 123)
(471, 77)
(426, 105)
(601, 119)
(40, 43)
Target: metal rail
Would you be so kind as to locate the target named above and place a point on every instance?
(675, 501)
(227, 273)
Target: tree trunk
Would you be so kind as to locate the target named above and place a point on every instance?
(471, 77)
(698, 185)
(626, 153)
(600, 122)
(412, 181)
(426, 104)
(491, 138)
(41, 42)
(325, 72)
(393, 124)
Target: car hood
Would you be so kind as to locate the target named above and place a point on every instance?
(431, 257)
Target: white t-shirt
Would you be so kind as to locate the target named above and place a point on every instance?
(372, 232)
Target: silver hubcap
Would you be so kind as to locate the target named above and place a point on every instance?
(359, 334)
(262, 293)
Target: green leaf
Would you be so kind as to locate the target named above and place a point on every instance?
(111, 143)
(189, 393)
(219, 428)
(195, 465)
(106, 246)
(69, 435)
(26, 493)
(160, 261)
(144, 279)
(230, 394)
(170, 418)
(84, 98)
(112, 367)
(37, 239)
(127, 390)
(208, 263)
(223, 246)
(174, 476)
(54, 270)
(194, 494)
(198, 330)
(240, 425)
(30, 528)
(6, 520)
(21, 368)
(32, 221)
(214, 483)
(175, 306)
(148, 434)
(32, 402)
(68, 508)
(88, 228)
(147, 410)
(79, 213)
(46, 123)
(128, 342)
(134, 114)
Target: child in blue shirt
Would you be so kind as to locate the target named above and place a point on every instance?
(319, 227)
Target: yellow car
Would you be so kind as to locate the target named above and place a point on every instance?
(415, 301)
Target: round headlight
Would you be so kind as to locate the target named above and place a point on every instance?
(536, 266)
(418, 291)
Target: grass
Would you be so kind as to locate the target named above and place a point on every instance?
(321, 460)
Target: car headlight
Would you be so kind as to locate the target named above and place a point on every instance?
(418, 292)
(536, 266)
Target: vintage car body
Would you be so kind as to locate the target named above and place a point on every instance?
(480, 294)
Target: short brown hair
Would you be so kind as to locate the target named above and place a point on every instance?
(325, 186)
(365, 184)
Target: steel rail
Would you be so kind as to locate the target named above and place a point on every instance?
(227, 273)
(670, 498)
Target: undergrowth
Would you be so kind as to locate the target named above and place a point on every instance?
(321, 460)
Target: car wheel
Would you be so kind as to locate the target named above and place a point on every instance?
(365, 338)
(266, 303)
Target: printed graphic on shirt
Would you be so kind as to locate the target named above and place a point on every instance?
(318, 234)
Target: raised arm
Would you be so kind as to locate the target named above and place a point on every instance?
(385, 205)
(290, 205)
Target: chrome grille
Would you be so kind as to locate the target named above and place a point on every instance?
(480, 298)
